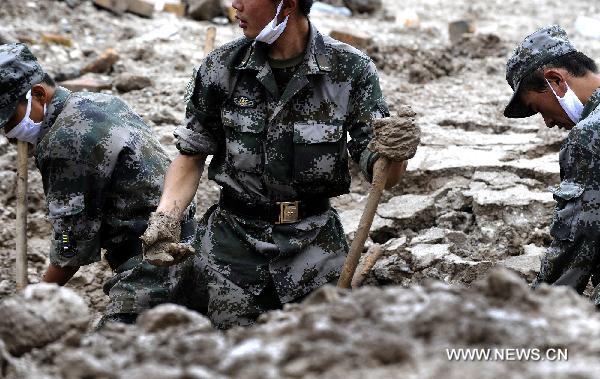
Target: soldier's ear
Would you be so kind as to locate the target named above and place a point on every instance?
(39, 93)
(289, 7)
(557, 80)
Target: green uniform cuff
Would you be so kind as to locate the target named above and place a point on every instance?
(75, 253)
(367, 161)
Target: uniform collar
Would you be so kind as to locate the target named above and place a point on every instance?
(592, 104)
(316, 58)
(54, 109)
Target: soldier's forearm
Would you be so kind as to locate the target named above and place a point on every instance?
(59, 275)
(181, 183)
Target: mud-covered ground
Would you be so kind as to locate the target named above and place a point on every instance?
(474, 197)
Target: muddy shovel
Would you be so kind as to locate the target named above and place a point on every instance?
(22, 174)
(396, 139)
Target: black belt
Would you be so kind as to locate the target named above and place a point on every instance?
(282, 212)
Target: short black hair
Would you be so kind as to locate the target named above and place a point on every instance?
(576, 63)
(305, 6)
(47, 79)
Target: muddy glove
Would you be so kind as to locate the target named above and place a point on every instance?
(160, 242)
(396, 138)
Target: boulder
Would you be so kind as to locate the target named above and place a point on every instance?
(42, 314)
(131, 82)
(527, 264)
(169, 316)
(203, 10)
(364, 6)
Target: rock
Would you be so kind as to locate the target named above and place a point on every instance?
(103, 63)
(527, 264)
(144, 8)
(409, 211)
(433, 235)
(43, 313)
(504, 285)
(424, 255)
(67, 73)
(457, 29)
(115, 6)
(204, 10)
(164, 117)
(391, 270)
(57, 39)
(351, 219)
(357, 39)
(457, 269)
(177, 9)
(364, 6)
(335, 3)
(8, 185)
(516, 206)
(130, 82)
(153, 370)
(169, 316)
(89, 82)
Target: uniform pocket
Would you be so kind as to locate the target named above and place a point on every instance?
(319, 151)
(70, 206)
(244, 138)
(568, 205)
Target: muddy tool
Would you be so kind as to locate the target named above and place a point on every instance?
(396, 140)
(22, 174)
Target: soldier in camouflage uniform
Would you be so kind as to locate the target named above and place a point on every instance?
(275, 117)
(549, 76)
(102, 171)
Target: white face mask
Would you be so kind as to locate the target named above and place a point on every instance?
(570, 103)
(27, 130)
(272, 31)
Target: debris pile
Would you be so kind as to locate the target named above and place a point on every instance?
(371, 332)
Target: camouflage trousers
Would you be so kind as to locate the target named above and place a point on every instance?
(137, 285)
(573, 267)
(243, 268)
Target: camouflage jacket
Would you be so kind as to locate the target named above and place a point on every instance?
(102, 171)
(281, 147)
(576, 223)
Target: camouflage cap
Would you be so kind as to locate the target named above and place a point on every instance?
(534, 52)
(19, 71)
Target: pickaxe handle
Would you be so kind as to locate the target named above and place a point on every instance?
(380, 175)
(22, 175)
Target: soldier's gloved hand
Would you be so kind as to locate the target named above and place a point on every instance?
(160, 242)
(396, 138)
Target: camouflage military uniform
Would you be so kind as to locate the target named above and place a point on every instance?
(574, 255)
(102, 171)
(270, 145)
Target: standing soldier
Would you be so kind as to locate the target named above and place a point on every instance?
(102, 171)
(274, 110)
(549, 76)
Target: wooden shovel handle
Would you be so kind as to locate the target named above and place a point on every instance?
(380, 174)
(21, 240)
(209, 42)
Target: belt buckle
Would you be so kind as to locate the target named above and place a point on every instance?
(288, 212)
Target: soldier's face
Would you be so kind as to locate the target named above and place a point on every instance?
(16, 118)
(37, 110)
(254, 15)
(548, 106)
